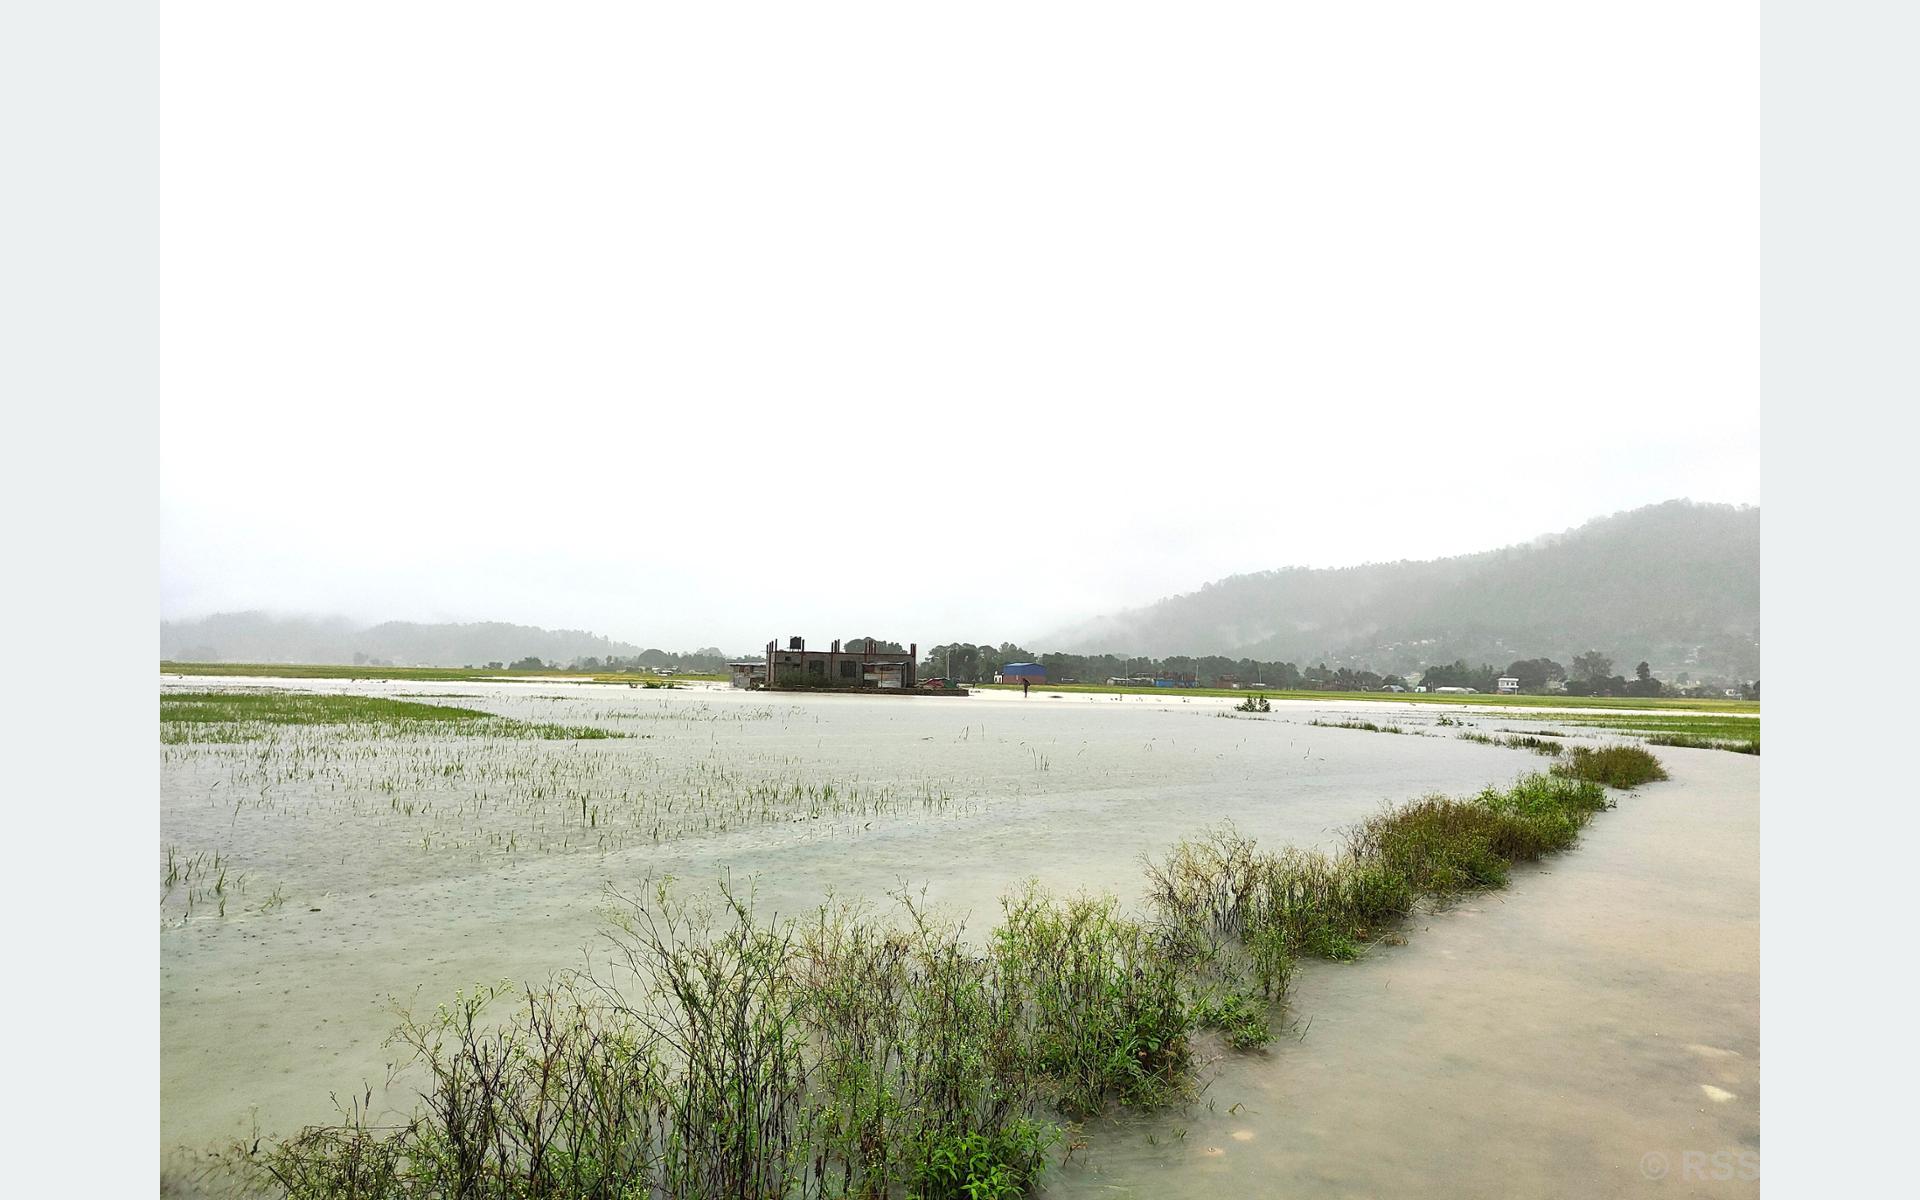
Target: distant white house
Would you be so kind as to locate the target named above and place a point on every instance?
(1507, 684)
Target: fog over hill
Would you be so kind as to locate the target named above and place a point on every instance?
(263, 637)
(1677, 584)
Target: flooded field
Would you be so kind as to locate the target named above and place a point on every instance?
(1592, 1029)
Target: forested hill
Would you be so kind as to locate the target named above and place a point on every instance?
(261, 637)
(1677, 584)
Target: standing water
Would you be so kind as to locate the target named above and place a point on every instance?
(1592, 1029)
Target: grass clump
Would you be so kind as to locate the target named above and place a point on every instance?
(1254, 704)
(1368, 726)
(1438, 845)
(1265, 911)
(1539, 744)
(1617, 766)
(1441, 846)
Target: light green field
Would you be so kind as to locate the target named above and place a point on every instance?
(1706, 731)
(254, 715)
(419, 674)
(1481, 698)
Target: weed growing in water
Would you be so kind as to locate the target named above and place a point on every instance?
(1369, 726)
(725, 1055)
(1254, 704)
(1539, 744)
(1275, 908)
(1101, 997)
(1615, 766)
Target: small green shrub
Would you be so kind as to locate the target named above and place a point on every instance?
(984, 1166)
(1102, 998)
(1237, 1017)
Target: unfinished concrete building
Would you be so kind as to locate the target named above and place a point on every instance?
(861, 665)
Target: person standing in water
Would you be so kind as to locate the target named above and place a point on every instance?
(1026, 684)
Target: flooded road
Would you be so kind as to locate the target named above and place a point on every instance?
(1547, 1039)
(1593, 1030)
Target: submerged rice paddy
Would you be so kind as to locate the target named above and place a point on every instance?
(334, 852)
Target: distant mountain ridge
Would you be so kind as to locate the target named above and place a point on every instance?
(1676, 584)
(263, 637)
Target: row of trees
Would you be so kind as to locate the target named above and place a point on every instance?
(1590, 673)
(967, 662)
(707, 660)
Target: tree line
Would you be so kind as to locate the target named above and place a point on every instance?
(705, 661)
(1590, 673)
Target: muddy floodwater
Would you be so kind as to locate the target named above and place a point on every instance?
(1591, 1030)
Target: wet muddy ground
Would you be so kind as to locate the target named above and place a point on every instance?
(1591, 1030)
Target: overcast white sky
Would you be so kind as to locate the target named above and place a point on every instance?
(703, 327)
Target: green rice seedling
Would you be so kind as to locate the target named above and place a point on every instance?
(1617, 766)
(1710, 727)
(256, 715)
(1693, 742)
